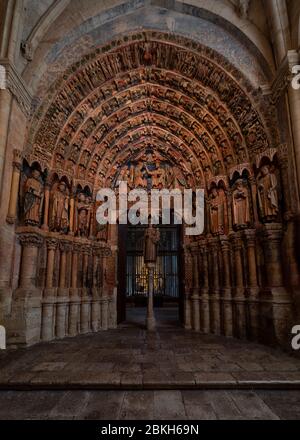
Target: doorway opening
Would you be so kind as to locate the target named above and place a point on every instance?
(133, 276)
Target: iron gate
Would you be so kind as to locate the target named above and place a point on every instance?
(166, 269)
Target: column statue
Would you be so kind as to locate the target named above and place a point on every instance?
(267, 194)
(152, 236)
(59, 212)
(241, 206)
(82, 216)
(218, 211)
(33, 199)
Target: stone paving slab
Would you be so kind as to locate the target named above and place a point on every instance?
(150, 405)
(133, 359)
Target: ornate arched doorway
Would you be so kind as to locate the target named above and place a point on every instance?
(208, 127)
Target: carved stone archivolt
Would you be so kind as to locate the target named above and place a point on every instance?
(183, 88)
(160, 113)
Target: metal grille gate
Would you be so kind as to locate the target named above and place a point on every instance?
(166, 283)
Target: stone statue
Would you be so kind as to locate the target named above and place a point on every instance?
(152, 236)
(139, 176)
(33, 199)
(59, 212)
(82, 216)
(218, 211)
(267, 194)
(241, 206)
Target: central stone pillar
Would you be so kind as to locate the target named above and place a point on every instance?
(150, 310)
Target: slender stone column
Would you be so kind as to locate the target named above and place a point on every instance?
(272, 236)
(226, 288)
(14, 190)
(205, 321)
(51, 247)
(195, 296)
(5, 111)
(187, 300)
(239, 297)
(63, 294)
(26, 313)
(252, 289)
(45, 225)
(85, 300)
(95, 312)
(63, 263)
(275, 291)
(74, 294)
(30, 242)
(215, 291)
(48, 300)
(150, 311)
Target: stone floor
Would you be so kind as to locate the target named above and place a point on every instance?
(130, 358)
(150, 405)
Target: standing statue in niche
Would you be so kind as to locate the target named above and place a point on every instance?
(152, 236)
(241, 206)
(33, 199)
(82, 216)
(267, 194)
(218, 211)
(59, 212)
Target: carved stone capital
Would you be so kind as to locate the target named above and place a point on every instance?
(65, 246)
(51, 244)
(237, 242)
(250, 237)
(105, 252)
(30, 240)
(225, 244)
(271, 232)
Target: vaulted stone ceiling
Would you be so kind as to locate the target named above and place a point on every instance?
(150, 90)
